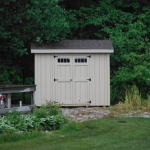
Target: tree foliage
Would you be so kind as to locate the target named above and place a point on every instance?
(125, 22)
(23, 22)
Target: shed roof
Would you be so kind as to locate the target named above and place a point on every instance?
(75, 44)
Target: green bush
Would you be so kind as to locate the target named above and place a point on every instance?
(47, 117)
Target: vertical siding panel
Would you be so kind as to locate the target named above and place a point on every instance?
(90, 76)
(90, 72)
(39, 79)
(100, 80)
(42, 78)
(107, 87)
(54, 76)
(105, 80)
(93, 81)
(97, 80)
(108, 61)
(51, 77)
(102, 77)
(35, 77)
(47, 78)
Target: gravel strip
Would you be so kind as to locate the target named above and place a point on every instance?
(82, 114)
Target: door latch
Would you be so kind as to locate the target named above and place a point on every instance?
(89, 79)
(89, 101)
(55, 79)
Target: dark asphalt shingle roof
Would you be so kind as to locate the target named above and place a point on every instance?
(75, 44)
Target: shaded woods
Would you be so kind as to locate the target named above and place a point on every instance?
(125, 22)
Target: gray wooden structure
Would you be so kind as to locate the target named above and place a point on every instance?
(9, 89)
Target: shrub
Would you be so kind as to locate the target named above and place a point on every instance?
(48, 116)
(47, 110)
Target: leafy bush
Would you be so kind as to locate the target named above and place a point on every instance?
(47, 117)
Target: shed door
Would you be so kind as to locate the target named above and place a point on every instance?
(81, 79)
(63, 79)
(71, 79)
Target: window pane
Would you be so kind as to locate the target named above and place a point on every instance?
(63, 60)
(68, 60)
(81, 60)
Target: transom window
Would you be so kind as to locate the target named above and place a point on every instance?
(81, 60)
(63, 60)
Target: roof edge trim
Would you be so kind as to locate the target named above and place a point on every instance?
(72, 51)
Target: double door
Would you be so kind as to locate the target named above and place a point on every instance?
(72, 78)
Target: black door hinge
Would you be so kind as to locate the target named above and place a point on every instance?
(89, 79)
(55, 56)
(89, 56)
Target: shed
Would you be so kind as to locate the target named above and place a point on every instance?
(73, 72)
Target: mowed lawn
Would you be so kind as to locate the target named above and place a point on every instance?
(102, 134)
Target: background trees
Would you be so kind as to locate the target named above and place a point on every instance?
(23, 22)
(125, 22)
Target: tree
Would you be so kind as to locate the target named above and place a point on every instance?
(24, 22)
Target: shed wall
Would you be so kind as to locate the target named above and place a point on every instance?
(43, 78)
(99, 86)
(101, 80)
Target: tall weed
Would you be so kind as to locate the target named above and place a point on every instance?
(134, 100)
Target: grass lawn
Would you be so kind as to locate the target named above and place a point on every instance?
(102, 134)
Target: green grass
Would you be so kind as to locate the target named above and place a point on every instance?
(103, 134)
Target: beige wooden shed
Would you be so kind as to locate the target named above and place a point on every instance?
(73, 72)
